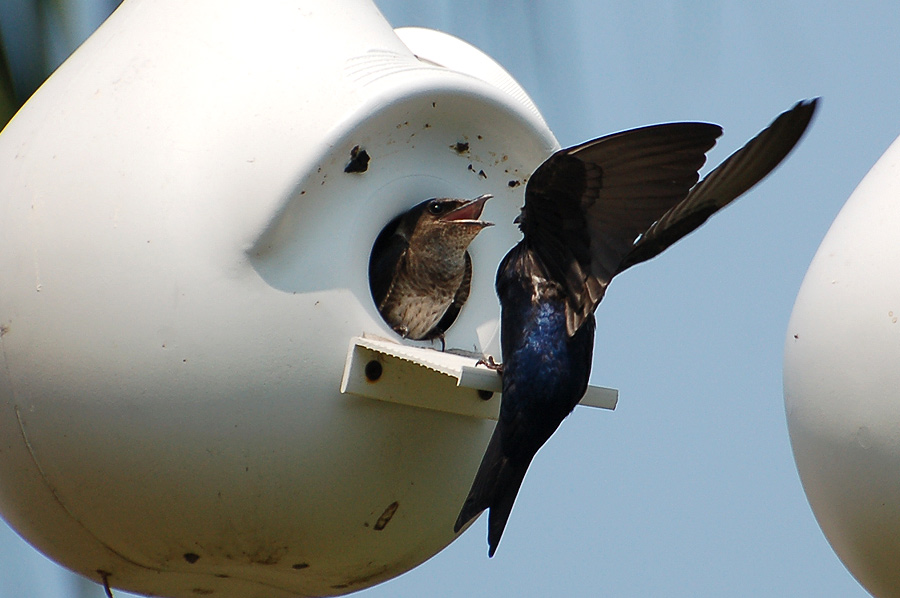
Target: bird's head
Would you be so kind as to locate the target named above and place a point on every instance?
(447, 225)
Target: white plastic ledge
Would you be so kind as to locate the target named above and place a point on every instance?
(431, 379)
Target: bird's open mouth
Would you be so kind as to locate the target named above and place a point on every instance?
(471, 210)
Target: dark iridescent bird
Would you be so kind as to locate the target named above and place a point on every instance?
(592, 211)
(420, 270)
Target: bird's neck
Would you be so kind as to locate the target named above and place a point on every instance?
(441, 267)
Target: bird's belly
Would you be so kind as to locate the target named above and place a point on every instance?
(547, 366)
(419, 314)
(543, 380)
(544, 369)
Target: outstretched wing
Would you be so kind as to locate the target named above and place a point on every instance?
(586, 205)
(728, 181)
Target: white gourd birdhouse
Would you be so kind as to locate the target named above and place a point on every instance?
(842, 380)
(184, 304)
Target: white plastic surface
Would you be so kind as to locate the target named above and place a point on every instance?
(402, 371)
(842, 380)
(182, 265)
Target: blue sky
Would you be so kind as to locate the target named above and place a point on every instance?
(689, 488)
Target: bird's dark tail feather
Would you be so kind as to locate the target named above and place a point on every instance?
(495, 488)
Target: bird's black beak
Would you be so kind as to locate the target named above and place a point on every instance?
(521, 217)
(471, 210)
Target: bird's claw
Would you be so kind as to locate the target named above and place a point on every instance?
(490, 364)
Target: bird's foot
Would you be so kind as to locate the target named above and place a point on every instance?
(488, 362)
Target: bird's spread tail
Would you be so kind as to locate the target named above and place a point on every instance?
(495, 488)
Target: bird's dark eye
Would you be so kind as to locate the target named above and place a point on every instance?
(436, 208)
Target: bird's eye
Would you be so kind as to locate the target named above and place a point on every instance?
(436, 208)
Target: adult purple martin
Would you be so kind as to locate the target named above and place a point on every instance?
(592, 211)
(420, 271)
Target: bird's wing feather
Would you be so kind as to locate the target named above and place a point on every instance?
(389, 248)
(737, 174)
(586, 205)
